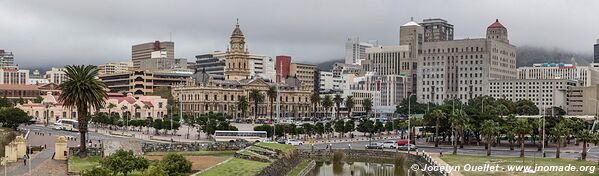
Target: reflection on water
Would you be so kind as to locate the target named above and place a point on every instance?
(360, 169)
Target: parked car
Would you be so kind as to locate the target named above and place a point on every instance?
(294, 142)
(374, 145)
(390, 144)
(403, 142)
(405, 147)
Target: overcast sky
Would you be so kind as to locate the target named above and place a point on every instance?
(59, 32)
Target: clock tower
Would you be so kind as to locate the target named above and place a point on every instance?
(237, 62)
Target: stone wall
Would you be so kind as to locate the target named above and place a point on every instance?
(179, 147)
(306, 171)
(91, 151)
(281, 166)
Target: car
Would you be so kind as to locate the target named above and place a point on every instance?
(402, 142)
(374, 145)
(389, 144)
(294, 142)
(411, 146)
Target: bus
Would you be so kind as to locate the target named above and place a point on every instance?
(228, 136)
(67, 124)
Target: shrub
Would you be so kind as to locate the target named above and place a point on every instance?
(124, 162)
(155, 170)
(175, 164)
(98, 171)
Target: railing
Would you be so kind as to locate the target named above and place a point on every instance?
(431, 161)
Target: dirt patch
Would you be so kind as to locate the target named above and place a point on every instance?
(198, 162)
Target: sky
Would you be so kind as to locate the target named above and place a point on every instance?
(44, 33)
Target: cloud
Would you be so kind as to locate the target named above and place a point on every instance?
(60, 32)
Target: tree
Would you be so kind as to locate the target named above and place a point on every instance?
(242, 104)
(82, 91)
(349, 103)
(367, 104)
(389, 127)
(522, 128)
(97, 171)
(338, 100)
(110, 107)
(526, 107)
(154, 170)
(489, 128)
(315, 100)
(265, 128)
(38, 99)
(378, 127)
(585, 136)
(13, 117)
(327, 103)
(349, 126)
(340, 127)
(124, 162)
(561, 129)
(4, 102)
(175, 164)
(20, 101)
(272, 96)
(437, 115)
(257, 98)
(158, 125)
(328, 128)
(319, 128)
(457, 120)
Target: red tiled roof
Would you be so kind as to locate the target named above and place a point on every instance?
(497, 24)
(130, 100)
(148, 103)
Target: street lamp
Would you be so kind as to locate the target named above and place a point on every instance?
(409, 114)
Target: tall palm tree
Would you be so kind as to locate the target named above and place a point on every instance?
(457, 119)
(82, 91)
(522, 128)
(349, 103)
(338, 100)
(489, 128)
(257, 98)
(561, 129)
(242, 104)
(109, 107)
(315, 99)
(437, 114)
(327, 103)
(272, 96)
(584, 136)
(367, 104)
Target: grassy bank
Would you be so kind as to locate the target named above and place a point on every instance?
(504, 162)
(297, 169)
(236, 167)
(77, 164)
(195, 153)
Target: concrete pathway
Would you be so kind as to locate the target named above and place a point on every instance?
(437, 158)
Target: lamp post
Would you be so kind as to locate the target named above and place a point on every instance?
(409, 114)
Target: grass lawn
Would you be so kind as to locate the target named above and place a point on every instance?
(195, 153)
(503, 162)
(286, 148)
(245, 152)
(297, 169)
(77, 164)
(259, 149)
(236, 167)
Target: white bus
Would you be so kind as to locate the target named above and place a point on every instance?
(66, 124)
(251, 136)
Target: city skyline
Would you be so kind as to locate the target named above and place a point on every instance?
(69, 27)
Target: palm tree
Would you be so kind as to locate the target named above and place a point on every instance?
(457, 119)
(272, 96)
(327, 103)
(109, 107)
(489, 128)
(315, 99)
(338, 100)
(521, 128)
(82, 91)
(257, 98)
(349, 103)
(437, 114)
(560, 130)
(367, 104)
(584, 136)
(242, 104)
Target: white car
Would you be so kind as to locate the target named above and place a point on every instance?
(389, 144)
(294, 142)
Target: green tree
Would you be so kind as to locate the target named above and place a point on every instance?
(367, 104)
(272, 96)
(526, 107)
(175, 164)
(585, 136)
(490, 129)
(38, 99)
(257, 98)
(437, 115)
(315, 100)
(340, 127)
(328, 128)
(4, 102)
(97, 171)
(389, 127)
(522, 128)
(266, 128)
(327, 103)
(20, 101)
(110, 107)
(338, 100)
(154, 170)
(349, 126)
(13, 117)
(457, 120)
(124, 162)
(349, 104)
(82, 91)
(560, 130)
(378, 127)
(157, 125)
(319, 128)
(242, 104)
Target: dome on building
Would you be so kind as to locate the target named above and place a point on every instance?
(497, 24)
(237, 31)
(411, 23)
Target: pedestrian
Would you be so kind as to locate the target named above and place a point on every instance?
(440, 153)
(25, 160)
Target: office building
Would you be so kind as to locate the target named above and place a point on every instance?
(437, 29)
(326, 82)
(581, 74)
(583, 100)
(282, 66)
(463, 68)
(545, 93)
(411, 35)
(144, 51)
(355, 50)
(56, 75)
(115, 68)
(341, 68)
(214, 64)
(159, 61)
(12, 75)
(262, 66)
(386, 60)
(142, 82)
(6, 58)
(596, 51)
(305, 73)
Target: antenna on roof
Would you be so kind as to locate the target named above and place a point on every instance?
(411, 18)
(170, 36)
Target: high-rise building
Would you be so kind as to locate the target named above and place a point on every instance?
(6, 58)
(581, 74)
(305, 73)
(212, 63)
(355, 50)
(262, 66)
(386, 60)
(159, 61)
(596, 49)
(582, 100)
(463, 68)
(411, 35)
(143, 82)
(144, 51)
(282, 66)
(12, 75)
(114, 68)
(56, 75)
(437, 29)
(545, 93)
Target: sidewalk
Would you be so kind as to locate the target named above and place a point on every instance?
(146, 137)
(437, 158)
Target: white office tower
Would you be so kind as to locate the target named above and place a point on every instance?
(355, 50)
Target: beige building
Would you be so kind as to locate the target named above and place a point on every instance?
(305, 73)
(237, 61)
(141, 82)
(114, 68)
(387, 60)
(56, 75)
(11, 75)
(545, 93)
(144, 51)
(583, 101)
(584, 75)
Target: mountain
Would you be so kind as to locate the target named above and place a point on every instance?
(328, 65)
(528, 55)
